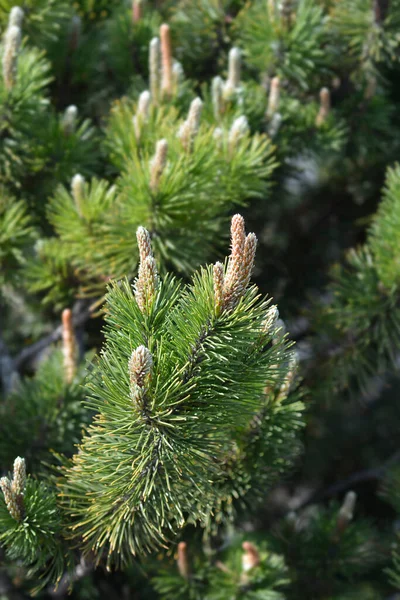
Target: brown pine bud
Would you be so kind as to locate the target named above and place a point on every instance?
(166, 59)
(136, 10)
(147, 280)
(183, 560)
(238, 240)
(218, 277)
(325, 106)
(140, 367)
(250, 557)
(68, 345)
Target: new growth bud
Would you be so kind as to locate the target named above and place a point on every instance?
(177, 76)
(189, 129)
(218, 278)
(239, 129)
(183, 560)
(140, 367)
(12, 43)
(158, 164)
(136, 10)
(16, 17)
(154, 68)
(77, 191)
(346, 511)
(69, 119)
(166, 59)
(216, 94)
(325, 106)
(147, 280)
(13, 491)
(142, 113)
(19, 476)
(233, 81)
(274, 96)
(250, 557)
(240, 266)
(68, 345)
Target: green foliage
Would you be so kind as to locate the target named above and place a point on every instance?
(22, 116)
(323, 555)
(35, 540)
(174, 453)
(184, 213)
(15, 233)
(42, 415)
(383, 237)
(42, 21)
(289, 45)
(370, 33)
(362, 320)
(223, 575)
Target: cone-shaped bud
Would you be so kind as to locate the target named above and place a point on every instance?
(13, 506)
(166, 60)
(154, 68)
(324, 108)
(218, 278)
(183, 560)
(158, 164)
(240, 264)
(250, 557)
(140, 366)
(274, 125)
(19, 476)
(142, 114)
(136, 10)
(239, 129)
(69, 119)
(216, 95)
(274, 96)
(147, 280)
(346, 511)
(233, 81)
(78, 191)
(16, 16)
(177, 76)
(190, 127)
(68, 345)
(248, 259)
(12, 43)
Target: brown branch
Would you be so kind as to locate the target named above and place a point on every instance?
(80, 316)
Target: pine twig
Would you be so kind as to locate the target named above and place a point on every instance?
(79, 319)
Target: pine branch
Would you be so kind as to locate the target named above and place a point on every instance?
(84, 568)
(8, 368)
(82, 312)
